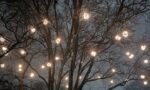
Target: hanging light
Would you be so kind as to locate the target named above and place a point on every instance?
(118, 37)
(57, 58)
(20, 70)
(146, 61)
(2, 65)
(66, 78)
(45, 21)
(49, 64)
(93, 53)
(145, 82)
(86, 15)
(58, 40)
(67, 86)
(22, 52)
(20, 65)
(111, 81)
(32, 30)
(32, 75)
(127, 53)
(113, 70)
(42, 66)
(125, 34)
(2, 39)
(142, 76)
(131, 56)
(143, 47)
(4, 48)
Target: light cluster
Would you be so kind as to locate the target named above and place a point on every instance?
(20, 66)
(124, 34)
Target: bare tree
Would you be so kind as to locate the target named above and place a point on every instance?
(78, 40)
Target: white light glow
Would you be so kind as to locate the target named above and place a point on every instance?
(2, 65)
(32, 30)
(2, 39)
(58, 40)
(22, 52)
(145, 82)
(4, 48)
(146, 61)
(49, 64)
(45, 21)
(142, 76)
(118, 37)
(125, 34)
(131, 56)
(143, 47)
(93, 53)
(86, 15)
(32, 75)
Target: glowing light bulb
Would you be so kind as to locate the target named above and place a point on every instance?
(127, 53)
(143, 47)
(20, 65)
(4, 48)
(146, 61)
(2, 65)
(42, 66)
(142, 76)
(32, 30)
(58, 40)
(125, 34)
(111, 81)
(67, 86)
(86, 15)
(113, 70)
(22, 52)
(118, 37)
(131, 56)
(57, 58)
(98, 76)
(32, 75)
(45, 21)
(2, 39)
(93, 53)
(20, 70)
(66, 78)
(145, 82)
(49, 64)
(80, 77)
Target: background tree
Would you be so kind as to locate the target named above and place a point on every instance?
(74, 41)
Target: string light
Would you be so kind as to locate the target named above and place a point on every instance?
(45, 21)
(118, 37)
(125, 34)
(20, 70)
(142, 76)
(145, 82)
(93, 53)
(131, 56)
(58, 40)
(49, 64)
(113, 70)
(22, 52)
(42, 66)
(2, 39)
(32, 30)
(145, 61)
(4, 48)
(2, 65)
(98, 76)
(67, 86)
(127, 53)
(143, 47)
(86, 15)
(111, 81)
(32, 75)
(66, 78)
(80, 77)
(57, 58)
(20, 65)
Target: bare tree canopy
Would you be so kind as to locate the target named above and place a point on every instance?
(71, 44)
